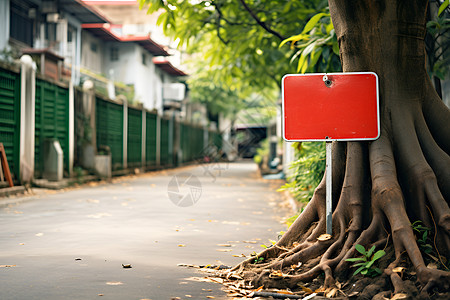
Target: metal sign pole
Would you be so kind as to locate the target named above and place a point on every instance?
(329, 201)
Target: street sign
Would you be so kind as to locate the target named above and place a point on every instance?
(330, 107)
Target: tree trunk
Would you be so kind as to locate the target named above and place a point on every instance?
(379, 188)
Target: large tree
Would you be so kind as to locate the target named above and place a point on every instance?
(380, 188)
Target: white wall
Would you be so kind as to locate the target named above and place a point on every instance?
(89, 59)
(129, 69)
(4, 24)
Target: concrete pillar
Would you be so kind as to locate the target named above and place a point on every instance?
(71, 126)
(143, 138)
(27, 116)
(4, 25)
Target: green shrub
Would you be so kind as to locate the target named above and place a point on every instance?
(308, 170)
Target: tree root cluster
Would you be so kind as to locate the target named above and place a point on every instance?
(373, 205)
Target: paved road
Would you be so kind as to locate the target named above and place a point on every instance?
(72, 244)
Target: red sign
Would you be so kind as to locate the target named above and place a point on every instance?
(335, 106)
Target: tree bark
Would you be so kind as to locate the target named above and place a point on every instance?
(379, 188)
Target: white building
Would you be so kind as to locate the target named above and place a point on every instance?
(132, 60)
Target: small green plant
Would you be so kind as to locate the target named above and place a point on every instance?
(366, 261)
(422, 235)
(257, 259)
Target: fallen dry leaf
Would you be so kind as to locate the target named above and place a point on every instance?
(224, 250)
(258, 289)
(276, 273)
(7, 266)
(324, 237)
(224, 245)
(249, 242)
(306, 289)
(181, 245)
(331, 293)
(432, 266)
(126, 266)
(114, 283)
(210, 297)
(241, 255)
(296, 266)
(39, 234)
(217, 279)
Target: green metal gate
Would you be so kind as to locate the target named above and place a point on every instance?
(52, 121)
(10, 118)
(191, 142)
(109, 125)
(134, 157)
(166, 152)
(150, 139)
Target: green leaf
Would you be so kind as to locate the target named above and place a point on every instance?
(294, 39)
(358, 270)
(369, 253)
(364, 272)
(313, 21)
(356, 259)
(378, 254)
(360, 264)
(443, 6)
(360, 249)
(370, 263)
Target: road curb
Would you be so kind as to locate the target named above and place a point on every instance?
(11, 191)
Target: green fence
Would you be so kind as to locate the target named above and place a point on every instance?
(192, 142)
(51, 121)
(10, 118)
(109, 125)
(150, 138)
(166, 152)
(134, 143)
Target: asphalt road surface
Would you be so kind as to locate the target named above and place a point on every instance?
(71, 244)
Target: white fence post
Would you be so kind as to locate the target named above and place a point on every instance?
(27, 116)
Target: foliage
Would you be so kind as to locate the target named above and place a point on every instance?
(262, 151)
(308, 170)
(234, 44)
(289, 221)
(438, 42)
(318, 48)
(366, 261)
(422, 234)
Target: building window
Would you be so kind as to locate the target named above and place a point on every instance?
(94, 47)
(144, 59)
(21, 26)
(114, 54)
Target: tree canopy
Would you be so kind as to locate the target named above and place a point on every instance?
(236, 44)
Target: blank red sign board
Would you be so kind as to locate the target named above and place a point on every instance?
(344, 109)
